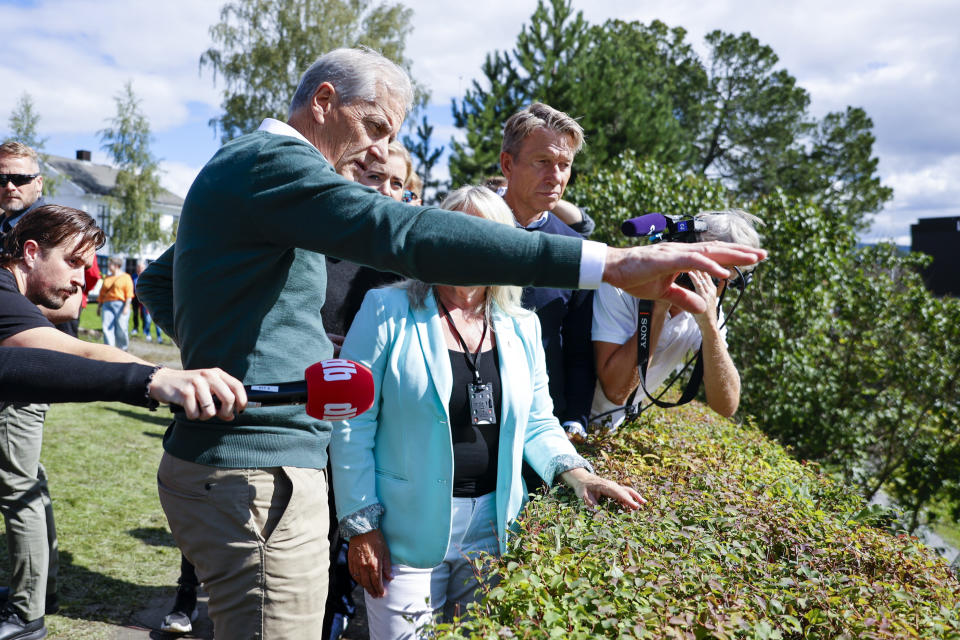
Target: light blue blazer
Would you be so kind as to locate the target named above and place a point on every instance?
(399, 454)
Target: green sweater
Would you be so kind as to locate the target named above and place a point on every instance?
(248, 279)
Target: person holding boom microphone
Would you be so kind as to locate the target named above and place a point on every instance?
(674, 333)
(43, 262)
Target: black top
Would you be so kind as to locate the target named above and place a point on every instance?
(347, 284)
(475, 447)
(38, 375)
(16, 312)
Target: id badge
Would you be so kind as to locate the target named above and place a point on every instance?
(481, 403)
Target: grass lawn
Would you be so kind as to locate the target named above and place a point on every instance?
(116, 552)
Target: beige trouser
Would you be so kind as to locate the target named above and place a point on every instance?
(258, 538)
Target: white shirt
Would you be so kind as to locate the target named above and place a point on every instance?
(615, 320)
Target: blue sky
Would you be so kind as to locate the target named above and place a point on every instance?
(895, 59)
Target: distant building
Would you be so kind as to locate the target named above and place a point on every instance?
(940, 238)
(86, 185)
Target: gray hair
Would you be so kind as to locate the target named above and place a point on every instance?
(731, 225)
(486, 204)
(356, 74)
(537, 115)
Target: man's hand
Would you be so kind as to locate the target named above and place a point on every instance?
(369, 561)
(649, 272)
(590, 488)
(194, 391)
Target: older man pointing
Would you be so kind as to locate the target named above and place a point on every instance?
(246, 500)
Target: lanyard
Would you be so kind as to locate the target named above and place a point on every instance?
(472, 363)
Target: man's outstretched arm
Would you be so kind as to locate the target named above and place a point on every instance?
(649, 272)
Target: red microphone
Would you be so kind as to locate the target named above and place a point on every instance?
(333, 389)
(338, 389)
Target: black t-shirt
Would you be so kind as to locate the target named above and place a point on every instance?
(475, 447)
(38, 375)
(16, 312)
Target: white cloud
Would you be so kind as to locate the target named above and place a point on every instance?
(177, 177)
(895, 59)
(75, 55)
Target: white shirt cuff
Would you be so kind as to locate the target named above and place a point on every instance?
(593, 256)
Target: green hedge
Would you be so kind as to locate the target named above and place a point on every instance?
(844, 355)
(738, 540)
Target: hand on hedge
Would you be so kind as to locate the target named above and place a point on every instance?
(590, 488)
(368, 559)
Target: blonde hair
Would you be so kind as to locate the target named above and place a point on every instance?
(415, 184)
(396, 148)
(536, 116)
(479, 201)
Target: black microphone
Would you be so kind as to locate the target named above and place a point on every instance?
(644, 225)
(277, 394)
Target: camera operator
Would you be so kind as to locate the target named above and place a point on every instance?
(674, 333)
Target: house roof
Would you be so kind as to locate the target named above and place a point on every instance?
(100, 179)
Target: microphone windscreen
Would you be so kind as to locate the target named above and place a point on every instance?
(644, 225)
(338, 389)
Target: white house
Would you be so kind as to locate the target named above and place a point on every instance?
(86, 186)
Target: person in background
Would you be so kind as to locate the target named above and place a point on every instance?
(536, 157)
(347, 284)
(674, 334)
(113, 305)
(141, 315)
(568, 213)
(424, 480)
(413, 190)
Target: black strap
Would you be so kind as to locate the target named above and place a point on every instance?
(644, 317)
(474, 363)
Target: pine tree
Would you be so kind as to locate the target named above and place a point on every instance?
(127, 140)
(425, 157)
(25, 128)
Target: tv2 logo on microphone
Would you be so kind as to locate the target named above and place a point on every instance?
(334, 370)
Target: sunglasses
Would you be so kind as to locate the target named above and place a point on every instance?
(18, 179)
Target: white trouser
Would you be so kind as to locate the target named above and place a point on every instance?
(415, 596)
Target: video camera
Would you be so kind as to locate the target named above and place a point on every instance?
(659, 227)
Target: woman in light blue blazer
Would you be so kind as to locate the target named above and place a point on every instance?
(430, 475)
